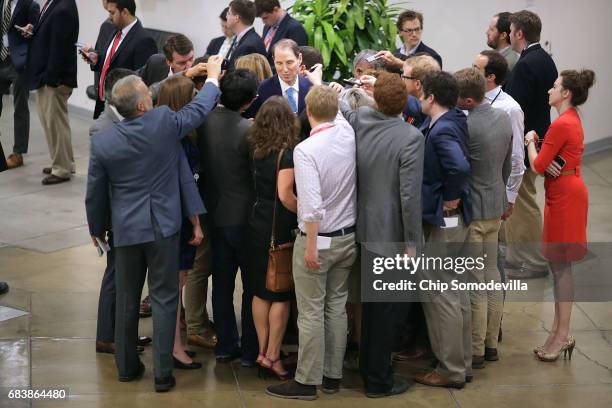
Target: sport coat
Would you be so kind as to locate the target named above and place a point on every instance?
(26, 12)
(155, 70)
(289, 28)
(389, 177)
(250, 43)
(271, 87)
(228, 183)
(106, 29)
(447, 167)
(139, 159)
(490, 160)
(52, 57)
(422, 48)
(533, 75)
(215, 45)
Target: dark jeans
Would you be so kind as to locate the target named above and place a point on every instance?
(107, 301)
(379, 322)
(21, 116)
(228, 256)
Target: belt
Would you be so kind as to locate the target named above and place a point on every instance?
(338, 233)
(568, 172)
(451, 213)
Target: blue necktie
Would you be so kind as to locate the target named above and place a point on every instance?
(292, 100)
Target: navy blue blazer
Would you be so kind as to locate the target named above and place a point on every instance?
(447, 167)
(250, 43)
(532, 76)
(422, 48)
(215, 45)
(139, 159)
(271, 87)
(52, 57)
(290, 28)
(26, 12)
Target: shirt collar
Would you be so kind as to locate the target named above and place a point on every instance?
(411, 51)
(242, 34)
(280, 20)
(127, 29)
(489, 96)
(116, 112)
(434, 119)
(285, 86)
(322, 127)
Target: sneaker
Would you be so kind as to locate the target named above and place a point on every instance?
(293, 390)
(330, 385)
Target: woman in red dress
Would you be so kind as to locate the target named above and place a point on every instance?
(566, 207)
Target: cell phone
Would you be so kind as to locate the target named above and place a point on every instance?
(352, 81)
(372, 58)
(560, 160)
(313, 68)
(224, 65)
(80, 45)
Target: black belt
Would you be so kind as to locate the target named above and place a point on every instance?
(338, 233)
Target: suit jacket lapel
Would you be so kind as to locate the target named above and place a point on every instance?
(244, 37)
(18, 8)
(44, 16)
(303, 83)
(126, 40)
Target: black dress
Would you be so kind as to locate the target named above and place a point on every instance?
(260, 225)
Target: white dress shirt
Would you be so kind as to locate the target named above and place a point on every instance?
(124, 33)
(226, 46)
(326, 177)
(501, 100)
(408, 53)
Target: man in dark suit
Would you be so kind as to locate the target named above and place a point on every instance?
(533, 75)
(134, 165)
(240, 18)
(447, 212)
(387, 149)
(106, 30)
(228, 193)
(51, 69)
(287, 83)
(12, 64)
(221, 45)
(178, 57)
(278, 24)
(410, 28)
(128, 46)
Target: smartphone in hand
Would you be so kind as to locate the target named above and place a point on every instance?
(560, 161)
(352, 81)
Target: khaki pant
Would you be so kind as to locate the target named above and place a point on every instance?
(321, 299)
(487, 306)
(196, 289)
(53, 113)
(524, 228)
(448, 314)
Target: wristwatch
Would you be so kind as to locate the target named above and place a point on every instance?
(527, 142)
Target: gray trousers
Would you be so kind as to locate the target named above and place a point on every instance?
(161, 257)
(448, 314)
(21, 115)
(321, 301)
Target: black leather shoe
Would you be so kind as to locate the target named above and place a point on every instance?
(293, 390)
(136, 376)
(491, 354)
(330, 385)
(400, 386)
(4, 287)
(469, 378)
(164, 384)
(182, 366)
(228, 358)
(144, 341)
(53, 179)
(478, 362)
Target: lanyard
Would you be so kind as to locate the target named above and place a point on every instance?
(321, 129)
(496, 96)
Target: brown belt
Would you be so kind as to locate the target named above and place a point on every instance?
(568, 172)
(451, 213)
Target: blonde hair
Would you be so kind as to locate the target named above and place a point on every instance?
(322, 102)
(422, 65)
(257, 64)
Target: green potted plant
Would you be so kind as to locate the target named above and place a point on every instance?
(342, 28)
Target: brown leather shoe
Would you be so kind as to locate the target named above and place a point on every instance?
(435, 379)
(206, 341)
(14, 160)
(109, 347)
(47, 170)
(52, 179)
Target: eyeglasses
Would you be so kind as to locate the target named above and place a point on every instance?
(409, 77)
(412, 30)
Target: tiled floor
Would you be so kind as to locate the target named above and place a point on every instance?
(54, 273)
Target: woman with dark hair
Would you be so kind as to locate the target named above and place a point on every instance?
(176, 92)
(274, 133)
(567, 203)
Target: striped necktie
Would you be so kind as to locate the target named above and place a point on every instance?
(6, 22)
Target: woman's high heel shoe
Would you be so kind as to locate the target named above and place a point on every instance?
(567, 347)
(267, 370)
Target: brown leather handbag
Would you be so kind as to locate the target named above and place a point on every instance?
(279, 276)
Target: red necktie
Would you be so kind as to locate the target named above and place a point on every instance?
(269, 37)
(107, 62)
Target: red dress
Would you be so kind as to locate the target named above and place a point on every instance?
(567, 199)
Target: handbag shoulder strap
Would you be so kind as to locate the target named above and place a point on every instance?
(273, 236)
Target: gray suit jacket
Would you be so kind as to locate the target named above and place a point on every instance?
(140, 160)
(490, 160)
(511, 57)
(390, 175)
